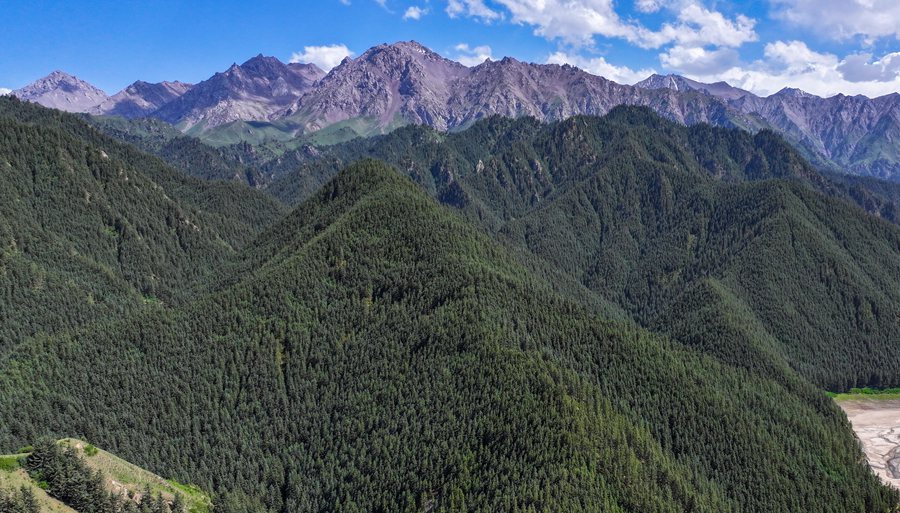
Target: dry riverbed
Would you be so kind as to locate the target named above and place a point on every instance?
(877, 425)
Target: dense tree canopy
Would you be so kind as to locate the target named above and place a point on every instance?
(616, 314)
(642, 211)
(91, 228)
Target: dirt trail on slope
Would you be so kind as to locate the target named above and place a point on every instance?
(877, 425)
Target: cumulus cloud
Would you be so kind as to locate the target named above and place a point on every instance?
(794, 64)
(472, 56)
(599, 66)
(414, 13)
(858, 68)
(697, 26)
(703, 43)
(472, 9)
(699, 61)
(325, 57)
(843, 19)
(573, 21)
(578, 22)
(796, 57)
(4, 91)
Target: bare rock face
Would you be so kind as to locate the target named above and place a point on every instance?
(140, 99)
(405, 83)
(62, 91)
(389, 84)
(678, 83)
(253, 91)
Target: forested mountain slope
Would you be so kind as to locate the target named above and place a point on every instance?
(641, 210)
(238, 163)
(90, 227)
(385, 355)
(853, 133)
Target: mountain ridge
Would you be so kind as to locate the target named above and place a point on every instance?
(391, 85)
(140, 99)
(251, 91)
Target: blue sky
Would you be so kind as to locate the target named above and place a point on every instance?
(822, 46)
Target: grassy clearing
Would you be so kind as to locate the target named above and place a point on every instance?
(9, 462)
(866, 393)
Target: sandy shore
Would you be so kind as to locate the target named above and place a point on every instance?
(877, 425)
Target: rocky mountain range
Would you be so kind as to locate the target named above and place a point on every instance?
(392, 85)
(721, 90)
(252, 91)
(404, 83)
(857, 134)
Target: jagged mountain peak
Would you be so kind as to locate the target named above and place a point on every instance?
(141, 85)
(252, 91)
(63, 91)
(670, 81)
(58, 75)
(389, 84)
(794, 92)
(404, 51)
(262, 63)
(410, 46)
(720, 89)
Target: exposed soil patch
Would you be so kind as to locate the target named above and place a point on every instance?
(877, 425)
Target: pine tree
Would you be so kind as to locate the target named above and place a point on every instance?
(178, 504)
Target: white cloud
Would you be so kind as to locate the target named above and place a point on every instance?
(858, 68)
(471, 8)
(573, 21)
(843, 19)
(704, 43)
(794, 64)
(325, 57)
(796, 57)
(599, 66)
(469, 56)
(578, 22)
(4, 91)
(698, 27)
(699, 61)
(345, 2)
(648, 6)
(414, 13)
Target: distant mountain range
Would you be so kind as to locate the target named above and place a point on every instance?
(406, 83)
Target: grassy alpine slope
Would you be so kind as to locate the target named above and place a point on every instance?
(384, 354)
(119, 477)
